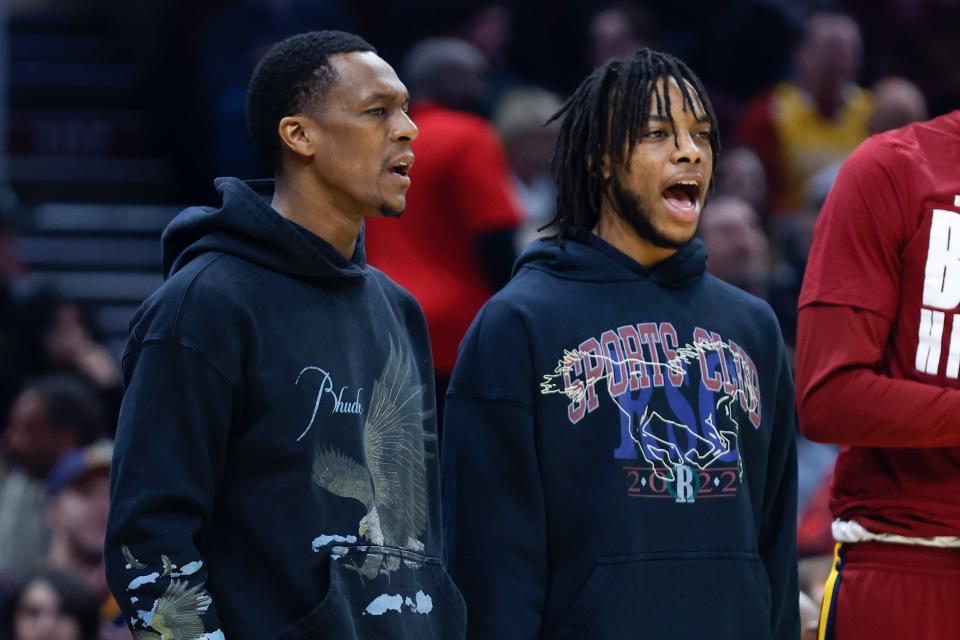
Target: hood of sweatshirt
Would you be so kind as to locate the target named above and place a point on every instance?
(247, 226)
(586, 257)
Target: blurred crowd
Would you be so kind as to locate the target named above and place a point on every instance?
(796, 85)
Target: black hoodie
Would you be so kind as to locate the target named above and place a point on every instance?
(275, 470)
(618, 455)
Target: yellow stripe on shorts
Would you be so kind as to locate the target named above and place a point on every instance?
(829, 594)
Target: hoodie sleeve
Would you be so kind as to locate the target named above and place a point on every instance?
(168, 460)
(778, 528)
(493, 505)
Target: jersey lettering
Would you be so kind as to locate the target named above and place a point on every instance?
(941, 285)
(941, 290)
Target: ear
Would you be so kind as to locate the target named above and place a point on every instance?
(295, 133)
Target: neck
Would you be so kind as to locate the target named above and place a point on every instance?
(615, 231)
(305, 202)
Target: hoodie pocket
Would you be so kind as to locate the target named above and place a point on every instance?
(723, 595)
(379, 592)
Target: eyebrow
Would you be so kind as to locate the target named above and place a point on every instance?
(654, 117)
(387, 96)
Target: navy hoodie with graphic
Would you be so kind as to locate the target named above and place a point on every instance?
(618, 455)
(275, 472)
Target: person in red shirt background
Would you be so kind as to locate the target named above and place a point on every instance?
(878, 371)
(454, 245)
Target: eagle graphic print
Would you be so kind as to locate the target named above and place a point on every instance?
(392, 484)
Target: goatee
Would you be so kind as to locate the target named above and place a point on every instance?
(389, 212)
(628, 207)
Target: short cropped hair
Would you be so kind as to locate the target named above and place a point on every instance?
(294, 75)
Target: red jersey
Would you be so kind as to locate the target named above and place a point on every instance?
(878, 352)
(460, 189)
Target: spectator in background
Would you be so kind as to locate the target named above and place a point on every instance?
(737, 248)
(488, 27)
(738, 252)
(49, 605)
(803, 125)
(48, 418)
(897, 102)
(742, 176)
(57, 335)
(78, 502)
(619, 30)
(520, 118)
(454, 245)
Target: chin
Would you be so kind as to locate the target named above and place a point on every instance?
(676, 234)
(388, 211)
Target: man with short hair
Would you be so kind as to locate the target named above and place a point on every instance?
(619, 453)
(275, 466)
(455, 246)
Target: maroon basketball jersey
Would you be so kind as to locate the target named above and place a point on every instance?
(888, 241)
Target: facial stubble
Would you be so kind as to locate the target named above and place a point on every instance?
(629, 207)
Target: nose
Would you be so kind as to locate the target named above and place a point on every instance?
(686, 149)
(405, 130)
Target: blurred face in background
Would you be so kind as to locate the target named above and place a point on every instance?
(38, 615)
(829, 56)
(79, 512)
(78, 516)
(618, 31)
(29, 439)
(530, 151)
(742, 175)
(737, 247)
(896, 103)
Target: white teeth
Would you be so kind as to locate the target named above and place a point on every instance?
(692, 183)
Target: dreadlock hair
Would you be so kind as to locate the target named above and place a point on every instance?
(604, 116)
(294, 75)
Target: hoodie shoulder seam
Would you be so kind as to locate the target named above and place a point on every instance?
(186, 292)
(177, 342)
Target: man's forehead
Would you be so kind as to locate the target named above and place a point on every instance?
(363, 75)
(678, 103)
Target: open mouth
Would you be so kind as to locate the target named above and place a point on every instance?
(683, 195)
(400, 166)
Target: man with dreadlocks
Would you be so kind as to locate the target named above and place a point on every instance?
(619, 452)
